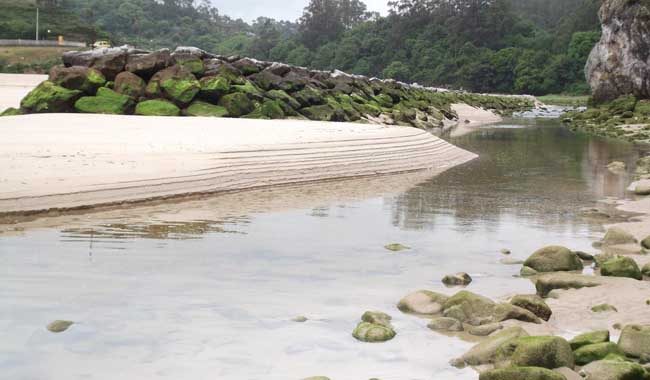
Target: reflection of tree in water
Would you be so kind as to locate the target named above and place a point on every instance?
(541, 174)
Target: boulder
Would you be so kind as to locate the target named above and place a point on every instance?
(445, 324)
(521, 373)
(373, 332)
(646, 269)
(175, 83)
(506, 311)
(11, 111)
(585, 256)
(553, 259)
(77, 78)
(248, 66)
(621, 266)
(48, 97)
(484, 330)
(597, 351)
(217, 67)
(157, 107)
(618, 64)
(252, 91)
(107, 101)
(614, 370)
(323, 112)
(485, 351)
(475, 307)
(129, 84)
(423, 302)
(147, 64)
(635, 340)
(59, 326)
(199, 108)
(109, 61)
(546, 283)
(190, 58)
(309, 96)
(213, 87)
(604, 308)
(616, 236)
(460, 278)
(377, 317)
(534, 304)
(536, 351)
(592, 337)
(237, 104)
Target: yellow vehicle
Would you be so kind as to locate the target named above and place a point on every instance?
(102, 44)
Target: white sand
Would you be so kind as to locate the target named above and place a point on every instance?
(13, 87)
(53, 161)
(470, 118)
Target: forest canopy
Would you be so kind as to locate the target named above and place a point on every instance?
(507, 46)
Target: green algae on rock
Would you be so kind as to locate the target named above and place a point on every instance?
(458, 279)
(621, 266)
(544, 284)
(84, 79)
(604, 308)
(616, 236)
(237, 104)
(396, 247)
(485, 351)
(521, 373)
(554, 259)
(157, 108)
(597, 351)
(127, 83)
(107, 101)
(445, 324)
(373, 333)
(200, 108)
(537, 351)
(48, 97)
(59, 326)
(534, 304)
(592, 337)
(615, 370)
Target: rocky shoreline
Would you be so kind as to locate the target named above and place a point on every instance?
(192, 82)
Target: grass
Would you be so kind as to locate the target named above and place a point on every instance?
(564, 100)
(28, 55)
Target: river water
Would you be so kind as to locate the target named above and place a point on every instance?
(208, 288)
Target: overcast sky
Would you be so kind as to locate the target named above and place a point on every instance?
(249, 10)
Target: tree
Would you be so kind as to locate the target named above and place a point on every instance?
(325, 20)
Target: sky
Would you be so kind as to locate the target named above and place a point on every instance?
(291, 10)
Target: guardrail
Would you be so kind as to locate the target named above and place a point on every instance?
(20, 42)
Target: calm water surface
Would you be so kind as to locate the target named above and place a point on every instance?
(207, 289)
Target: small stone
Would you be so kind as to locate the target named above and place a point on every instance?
(396, 247)
(505, 251)
(445, 324)
(460, 278)
(645, 243)
(584, 256)
(616, 236)
(59, 326)
(604, 308)
(485, 330)
(300, 319)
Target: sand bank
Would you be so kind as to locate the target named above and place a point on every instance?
(470, 118)
(71, 160)
(13, 87)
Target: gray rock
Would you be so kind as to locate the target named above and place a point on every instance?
(635, 340)
(423, 302)
(550, 281)
(616, 236)
(147, 64)
(553, 259)
(445, 324)
(59, 326)
(534, 304)
(460, 278)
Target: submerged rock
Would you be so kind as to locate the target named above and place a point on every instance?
(614, 370)
(396, 247)
(423, 302)
(534, 304)
(621, 266)
(592, 337)
(635, 340)
(536, 351)
(616, 236)
(521, 373)
(604, 308)
(59, 326)
(460, 278)
(554, 259)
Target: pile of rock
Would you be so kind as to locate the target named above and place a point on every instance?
(192, 82)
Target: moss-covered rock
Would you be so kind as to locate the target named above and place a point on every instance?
(48, 97)
(309, 96)
(237, 104)
(423, 302)
(621, 266)
(485, 352)
(157, 107)
(534, 304)
(323, 112)
(175, 83)
(604, 308)
(84, 79)
(537, 351)
(107, 101)
(614, 370)
(250, 89)
(377, 317)
(199, 108)
(396, 247)
(475, 307)
(635, 341)
(59, 326)
(554, 259)
(544, 284)
(506, 311)
(373, 332)
(597, 351)
(616, 236)
(445, 324)
(592, 337)
(484, 330)
(12, 112)
(622, 104)
(458, 279)
(521, 373)
(646, 269)
(213, 87)
(282, 96)
(129, 84)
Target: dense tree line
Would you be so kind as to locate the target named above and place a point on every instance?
(509, 46)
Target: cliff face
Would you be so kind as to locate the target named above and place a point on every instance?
(620, 63)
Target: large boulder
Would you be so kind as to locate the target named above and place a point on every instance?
(485, 352)
(218, 67)
(619, 64)
(536, 351)
(147, 64)
(534, 304)
(109, 61)
(190, 58)
(175, 83)
(129, 84)
(48, 97)
(521, 373)
(213, 87)
(621, 266)
(157, 107)
(107, 101)
(614, 370)
(635, 341)
(199, 108)
(598, 351)
(237, 104)
(423, 302)
(592, 337)
(554, 259)
(77, 78)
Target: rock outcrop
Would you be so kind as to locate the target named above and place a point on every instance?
(620, 63)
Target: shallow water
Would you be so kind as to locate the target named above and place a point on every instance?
(206, 289)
